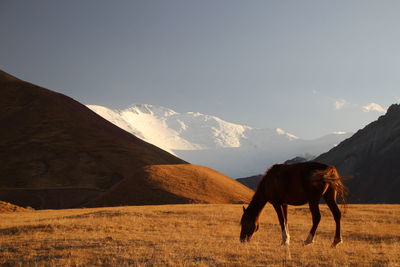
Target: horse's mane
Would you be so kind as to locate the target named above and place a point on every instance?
(274, 169)
(270, 171)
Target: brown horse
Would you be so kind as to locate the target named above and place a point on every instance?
(295, 184)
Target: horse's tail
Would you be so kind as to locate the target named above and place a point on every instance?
(331, 176)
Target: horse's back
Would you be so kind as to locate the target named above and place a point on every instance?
(296, 184)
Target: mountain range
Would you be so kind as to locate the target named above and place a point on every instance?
(57, 153)
(233, 149)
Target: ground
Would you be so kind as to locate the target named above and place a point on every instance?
(194, 235)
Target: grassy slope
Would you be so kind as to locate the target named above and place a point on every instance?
(8, 207)
(178, 184)
(194, 235)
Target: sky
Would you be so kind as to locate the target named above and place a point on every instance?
(309, 67)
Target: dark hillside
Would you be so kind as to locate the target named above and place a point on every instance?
(372, 157)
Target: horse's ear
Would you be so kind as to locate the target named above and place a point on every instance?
(244, 209)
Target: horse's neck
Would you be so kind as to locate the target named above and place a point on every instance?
(257, 204)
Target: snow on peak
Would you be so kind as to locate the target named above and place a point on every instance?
(171, 130)
(114, 116)
(340, 132)
(283, 132)
(151, 109)
(195, 114)
(234, 149)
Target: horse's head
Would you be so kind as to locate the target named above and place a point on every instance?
(249, 226)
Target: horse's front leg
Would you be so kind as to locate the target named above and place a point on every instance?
(281, 211)
(316, 217)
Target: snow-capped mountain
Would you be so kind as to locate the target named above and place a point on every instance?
(237, 150)
(171, 130)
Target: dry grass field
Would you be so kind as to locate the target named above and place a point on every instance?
(194, 235)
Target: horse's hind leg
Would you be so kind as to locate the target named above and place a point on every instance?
(316, 217)
(330, 198)
(285, 215)
(281, 211)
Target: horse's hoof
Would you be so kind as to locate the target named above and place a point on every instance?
(308, 242)
(336, 243)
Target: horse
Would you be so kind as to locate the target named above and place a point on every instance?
(295, 184)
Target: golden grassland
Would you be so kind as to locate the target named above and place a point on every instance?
(194, 235)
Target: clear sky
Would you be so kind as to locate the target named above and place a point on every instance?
(309, 67)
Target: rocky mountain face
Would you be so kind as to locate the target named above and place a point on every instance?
(372, 158)
(251, 182)
(57, 153)
(369, 161)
